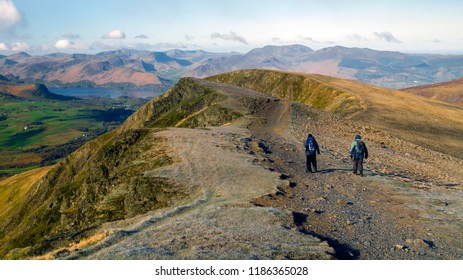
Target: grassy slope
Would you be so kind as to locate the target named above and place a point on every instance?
(450, 92)
(418, 120)
(103, 180)
(14, 189)
(49, 123)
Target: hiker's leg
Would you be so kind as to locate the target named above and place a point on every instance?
(309, 169)
(355, 166)
(360, 165)
(315, 163)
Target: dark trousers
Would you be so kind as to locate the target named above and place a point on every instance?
(358, 165)
(311, 161)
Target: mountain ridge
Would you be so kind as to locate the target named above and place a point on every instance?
(162, 69)
(395, 111)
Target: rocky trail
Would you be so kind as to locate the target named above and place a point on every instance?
(373, 217)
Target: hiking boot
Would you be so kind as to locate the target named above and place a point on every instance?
(361, 173)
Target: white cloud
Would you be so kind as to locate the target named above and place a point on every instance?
(9, 15)
(4, 47)
(68, 44)
(20, 47)
(232, 36)
(63, 44)
(387, 36)
(115, 34)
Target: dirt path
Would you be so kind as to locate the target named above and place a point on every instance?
(374, 217)
(221, 222)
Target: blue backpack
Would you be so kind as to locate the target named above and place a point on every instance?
(310, 147)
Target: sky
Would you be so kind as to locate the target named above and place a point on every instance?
(50, 26)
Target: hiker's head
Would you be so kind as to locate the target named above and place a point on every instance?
(357, 137)
(310, 135)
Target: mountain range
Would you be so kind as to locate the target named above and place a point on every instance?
(161, 70)
(215, 169)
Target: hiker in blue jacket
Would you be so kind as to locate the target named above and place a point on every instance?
(311, 150)
(358, 152)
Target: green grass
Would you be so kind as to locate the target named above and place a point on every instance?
(26, 126)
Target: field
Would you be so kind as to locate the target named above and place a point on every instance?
(37, 133)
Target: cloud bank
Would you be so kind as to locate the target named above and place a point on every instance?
(16, 47)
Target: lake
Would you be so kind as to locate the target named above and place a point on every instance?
(114, 93)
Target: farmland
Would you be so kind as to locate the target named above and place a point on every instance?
(38, 133)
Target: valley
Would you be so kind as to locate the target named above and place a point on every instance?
(38, 130)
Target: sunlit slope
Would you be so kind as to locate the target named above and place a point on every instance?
(416, 119)
(450, 92)
(29, 91)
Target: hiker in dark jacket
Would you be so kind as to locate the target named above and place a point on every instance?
(311, 150)
(358, 152)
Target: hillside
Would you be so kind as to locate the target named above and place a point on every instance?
(450, 92)
(37, 92)
(214, 171)
(412, 118)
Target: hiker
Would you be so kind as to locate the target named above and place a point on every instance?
(311, 150)
(358, 152)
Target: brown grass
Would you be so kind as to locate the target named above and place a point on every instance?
(450, 92)
(14, 188)
(428, 123)
(86, 242)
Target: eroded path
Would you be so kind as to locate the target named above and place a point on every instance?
(221, 222)
(372, 217)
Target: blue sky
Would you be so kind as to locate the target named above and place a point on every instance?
(47, 26)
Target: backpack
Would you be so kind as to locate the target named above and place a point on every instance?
(360, 148)
(310, 149)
